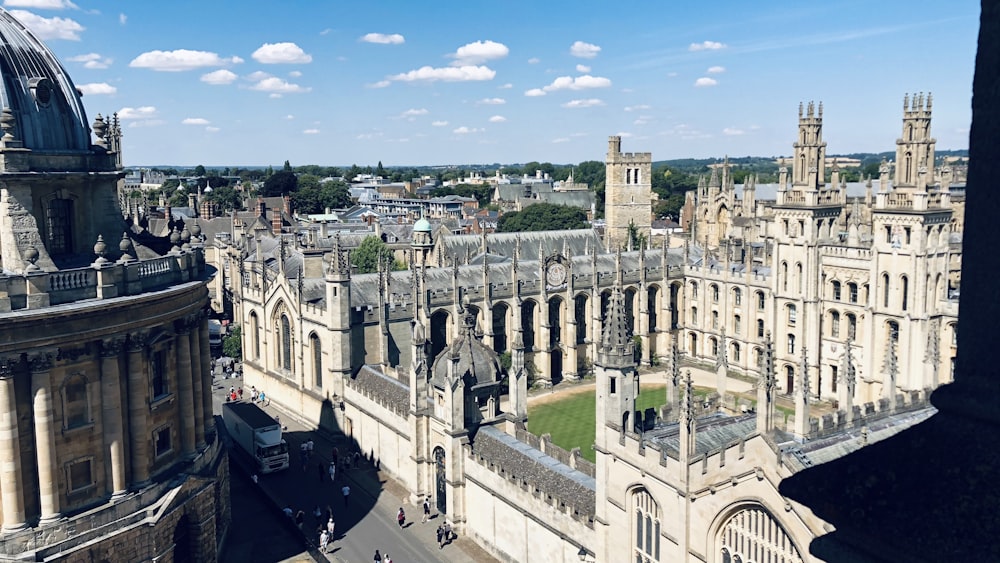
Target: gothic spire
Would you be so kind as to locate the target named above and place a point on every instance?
(617, 348)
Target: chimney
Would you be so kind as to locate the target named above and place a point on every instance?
(288, 204)
(276, 221)
(207, 210)
(261, 207)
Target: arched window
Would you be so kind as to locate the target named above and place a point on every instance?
(646, 532)
(760, 301)
(784, 276)
(254, 336)
(736, 351)
(737, 324)
(836, 290)
(834, 324)
(715, 293)
(885, 290)
(694, 316)
(715, 319)
(892, 330)
(286, 343)
(694, 290)
(852, 292)
(905, 290)
(760, 328)
(76, 403)
(791, 343)
(792, 314)
(715, 345)
(799, 279)
(852, 326)
(737, 297)
(752, 534)
(317, 355)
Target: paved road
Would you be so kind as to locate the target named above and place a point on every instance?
(367, 522)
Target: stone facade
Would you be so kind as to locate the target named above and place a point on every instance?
(107, 439)
(404, 362)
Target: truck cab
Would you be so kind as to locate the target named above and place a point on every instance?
(257, 434)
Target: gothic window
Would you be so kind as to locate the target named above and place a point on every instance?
(953, 328)
(737, 325)
(905, 290)
(161, 441)
(736, 351)
(76, 406)
(760, 301)
(715, 346)
(852, 326)
(254, 336)
(317, 351)
(852, 292)
(784, 276)
(646, 532)
(158, 371)
(286, 343)
(694, 290)
(59, 224)
(694, 316)
(80, 474)
(791, 343)
(792, 314)
(715, 319)
(866, 293)
(760, 328)
(737, 297)
(715, 293)
(799, 277)
(833, 379)
(752, 534)
(885, 290)
(892, 329)
(757, 356)
(835, 324)
(836, 291)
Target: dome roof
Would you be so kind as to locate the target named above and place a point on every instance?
(46, 105)
(422, 226)
(474, 362)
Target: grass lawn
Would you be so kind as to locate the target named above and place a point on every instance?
(571, 420)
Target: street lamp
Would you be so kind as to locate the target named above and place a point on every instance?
(582, 554)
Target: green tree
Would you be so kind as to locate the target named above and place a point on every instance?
(313, 196)
(635, 238)
(226, 197)
(543, 217)
(367, 255)
(379, 171)
(280, 183)
(287, 167)
(483, 193)
(232, 345)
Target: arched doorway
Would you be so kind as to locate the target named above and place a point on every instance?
(438, 333)
(528, 324)
(500, 311)
(789, 379)
(555, 321)
(555, 363)
(440, 481)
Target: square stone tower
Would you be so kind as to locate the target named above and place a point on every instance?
(628, 193)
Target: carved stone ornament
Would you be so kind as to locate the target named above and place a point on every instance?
(40, 361)
(111, 347)
(137, 340)
(71, 354)
(8, 365)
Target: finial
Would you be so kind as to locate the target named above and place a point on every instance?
(31, 255)
(906, 102)
(821, 109)
(127, 248)
(100, 249)
(101, 130)
(8, 123)
(800, 110)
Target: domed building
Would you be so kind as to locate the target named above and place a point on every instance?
(107, 440)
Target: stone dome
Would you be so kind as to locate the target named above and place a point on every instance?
(46, 105)
(474, 362)
(422, 226)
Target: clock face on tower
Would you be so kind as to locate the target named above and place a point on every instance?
(555, 275)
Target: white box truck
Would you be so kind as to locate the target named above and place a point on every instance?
(257, 434)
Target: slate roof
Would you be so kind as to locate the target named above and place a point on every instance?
(713, 432)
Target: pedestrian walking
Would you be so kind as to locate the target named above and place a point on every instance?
(346, 491)
(240, 393)
(254, 478)
(332, 470)
(324, 540)
(386, 558)
(330, 526)
(400, 517)
(253, 393)
(300, 519)
(378, 557)
(440, 536)
(427, 510)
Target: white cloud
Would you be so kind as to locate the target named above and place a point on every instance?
(180, 60)
(41, 4)
(146, 123)
(582, 68)
(49, 28)
(506, 86)
(122, 19)
(91, 60)
(311, 131)
(671, 74)
(379, 84)
(534, 60)
(624, 134)
(463, 130)
(326, 31)
(479, 52)
(716, 69)
(561, 140)
(97, 88)
(368, 136)
(195, 121)
(257, 76)
(588, 103)
(732, 131)
(211, 129)
(289, 117)
(535, 92)
(414, 112)
(498, 119)
(439, 123)
(446, 74)
(707, 46)
(705, 81)
(281, 53)
(492, 102)
(570, 83)
(221, 76)
(295, 74)
(383, 38)
(143, 112)
(278, 86)
(639, 107)
(584, 50)
(641, 120)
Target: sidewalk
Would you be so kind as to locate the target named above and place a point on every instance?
(368, 520)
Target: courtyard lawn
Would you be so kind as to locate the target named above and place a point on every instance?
(571, 419)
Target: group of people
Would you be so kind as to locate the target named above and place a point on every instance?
(257, 396)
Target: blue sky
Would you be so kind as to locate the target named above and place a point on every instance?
(413, 83)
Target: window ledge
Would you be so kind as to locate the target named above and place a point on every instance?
(78, 429)
(84, 491)
(160, 401)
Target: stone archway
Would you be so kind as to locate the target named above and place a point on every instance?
(500, 312)
(440, 480)
(439, 332)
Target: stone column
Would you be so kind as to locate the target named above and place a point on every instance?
(138, 410)
(11, 490)
(111, 412)
(206, 380)
(185, 388)
(45, 438)
(195, 337)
